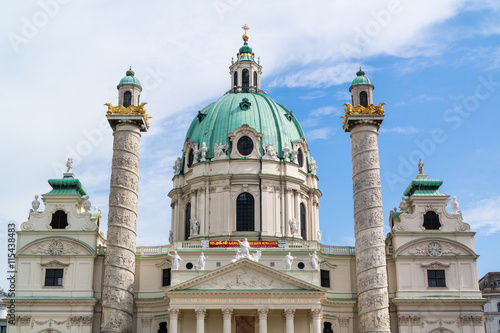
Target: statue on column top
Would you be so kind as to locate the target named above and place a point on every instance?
(420, 167)
(69, 165)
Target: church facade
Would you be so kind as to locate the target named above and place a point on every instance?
(245, 252)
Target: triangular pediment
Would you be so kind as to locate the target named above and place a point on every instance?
(246, 275)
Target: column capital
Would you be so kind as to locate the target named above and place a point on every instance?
(263, 313)
(316, 313)
(200, 313)
(174, 313)
(227, 313)
(289, 313)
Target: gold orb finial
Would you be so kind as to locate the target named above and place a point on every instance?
(245, 35)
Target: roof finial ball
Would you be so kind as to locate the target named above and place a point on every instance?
(245, 35)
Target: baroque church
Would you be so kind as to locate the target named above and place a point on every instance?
(245, 253)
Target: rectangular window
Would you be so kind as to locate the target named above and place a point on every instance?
(166, 277)
(325, 278)
(436, 278)
(54, 277)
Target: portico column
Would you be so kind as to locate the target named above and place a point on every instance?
(289, 314)
(263, 320)
(316, 318)
(173, 316)
(227, 315)
(200, 320)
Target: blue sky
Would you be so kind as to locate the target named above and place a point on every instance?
(435, 63)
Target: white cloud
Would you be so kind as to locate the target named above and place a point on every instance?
(320, 133)
(324, 111)
(484, 215)
(403, 130)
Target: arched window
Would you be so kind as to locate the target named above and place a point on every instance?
(363, 98)
(245, 79)
(300, 158)
(245, 212)
(163, 327)
(59, 220)
(127, 99)
(190, 158)
(498, 307)
(303, 221)
(255, 79)
(431, 221)
(187, 220)
(235, 80)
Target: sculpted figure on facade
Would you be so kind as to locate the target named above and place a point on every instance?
(35, 204)
(171, 236)
(177, 166)
(195, 227)
(176, 260)
(455, 205)
(196, 151)
(313, 166)
(420, 167)
(403, 206)
(286, 152)
(220, 149)
(87, 204)
(200, 266)
(314, 261)
(69, 165)
(294, 226)
(269, 152)
(203, 150)
(319, 236)
(289, 261)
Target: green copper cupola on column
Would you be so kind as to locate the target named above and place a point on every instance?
(129, 89)
(245, 71)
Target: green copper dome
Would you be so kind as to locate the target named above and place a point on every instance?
(130, 79)
(245, 48)
(360, 79)
(277, 124)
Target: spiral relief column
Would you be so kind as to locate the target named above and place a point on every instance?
(119, 263)
(371, 273)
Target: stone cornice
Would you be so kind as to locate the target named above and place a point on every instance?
(439, 300)
(90, 301)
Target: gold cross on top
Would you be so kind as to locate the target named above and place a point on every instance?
(245, 28)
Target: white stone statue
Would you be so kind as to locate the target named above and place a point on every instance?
(196, 151)
(295, 152)
(177, 166)
(195, 227)
(220, 149)
(171, 236)
(35, 204)
(87, 204)
(313, 166)
(403, 206)
(289, 261)
(203, 150)
(294, 226)
(176, 260)
(319, 236)
(200, 266)
(420, 167)
(269, 152)
(286, 152)
(244, 248)
(69, 165)
(314, 261)
(455, 205)
(244, 252)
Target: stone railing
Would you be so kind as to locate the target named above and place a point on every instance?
(345, 250)
(152, 250)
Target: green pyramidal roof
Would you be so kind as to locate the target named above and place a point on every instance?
(68, 185)
(424, 187)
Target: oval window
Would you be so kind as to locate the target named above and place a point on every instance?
(245, 145)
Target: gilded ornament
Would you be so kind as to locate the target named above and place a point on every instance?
(132, 109)
(371, 109)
